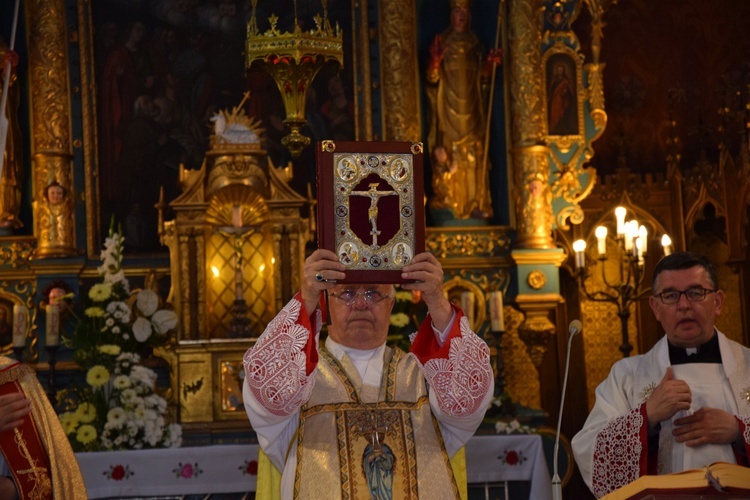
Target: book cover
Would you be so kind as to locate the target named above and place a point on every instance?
(371, 206)
(718, 480)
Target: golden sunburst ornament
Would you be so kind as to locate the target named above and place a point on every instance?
(647, 391)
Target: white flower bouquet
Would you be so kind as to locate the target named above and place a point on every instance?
(119, 407)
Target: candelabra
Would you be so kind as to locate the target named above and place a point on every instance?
(626, 286)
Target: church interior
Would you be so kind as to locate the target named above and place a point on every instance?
(173, 145)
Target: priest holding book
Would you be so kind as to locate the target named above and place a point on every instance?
(682, 405)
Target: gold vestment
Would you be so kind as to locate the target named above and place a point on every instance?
(340, 425)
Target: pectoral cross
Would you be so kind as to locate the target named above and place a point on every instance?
(372, 212)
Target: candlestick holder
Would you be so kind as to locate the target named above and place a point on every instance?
(52, 380)
(627, 258)
(623, 293)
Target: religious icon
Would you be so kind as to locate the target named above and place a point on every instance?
(562, 96)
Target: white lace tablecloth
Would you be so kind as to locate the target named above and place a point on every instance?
(233, 468)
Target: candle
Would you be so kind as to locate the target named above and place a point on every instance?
(578, 247)
(638, 250)
(467, 305)
(620, 216)
(496, 312)
(643, 237)
(666, 242)
(601, 240)
(237, 216)
(631, 232)
(20, 315)
(53, 325)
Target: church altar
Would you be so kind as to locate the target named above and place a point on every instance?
(233, 468)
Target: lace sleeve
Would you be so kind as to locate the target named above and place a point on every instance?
(275, 368)
(462, 380)
(617, 453)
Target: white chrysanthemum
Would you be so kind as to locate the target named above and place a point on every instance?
(146, 376)
(121, 382)
(142, 329)
(147, 302)
(164, 320)
(128, 396)
(119, 310)
(117, 417)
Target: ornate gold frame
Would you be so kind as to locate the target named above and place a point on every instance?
(565, 142)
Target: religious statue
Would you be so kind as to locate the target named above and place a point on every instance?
(12, 169)
(456, 76)
(56, 210)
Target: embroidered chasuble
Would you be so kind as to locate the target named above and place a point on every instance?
(369, 442)
(38, 452)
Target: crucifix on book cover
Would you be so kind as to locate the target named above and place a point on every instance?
(371, 206)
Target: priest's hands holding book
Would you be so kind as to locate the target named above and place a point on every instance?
(705, 426)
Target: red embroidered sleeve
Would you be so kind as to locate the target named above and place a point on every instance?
(459, 372)
(279, 367)
(744, 459)
(619, 452)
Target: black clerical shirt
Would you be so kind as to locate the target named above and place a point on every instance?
(706, 353)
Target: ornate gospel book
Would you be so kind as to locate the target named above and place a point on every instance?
(718, 480)
(371, 206)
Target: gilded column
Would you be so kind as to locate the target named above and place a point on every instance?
(530, 154)
(52, 190)
(536, 256)
(398, 35)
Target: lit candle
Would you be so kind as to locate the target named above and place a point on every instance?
(620, 216)
(578, 247)
(53, 325)
(638, 250)
(237, 216)
(631, 232)
(467, 305)
(496, 312)
(601, 240)
(666, 242)
(643, 237)
(20, 315)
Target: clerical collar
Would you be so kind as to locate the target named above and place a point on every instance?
(705, 353)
